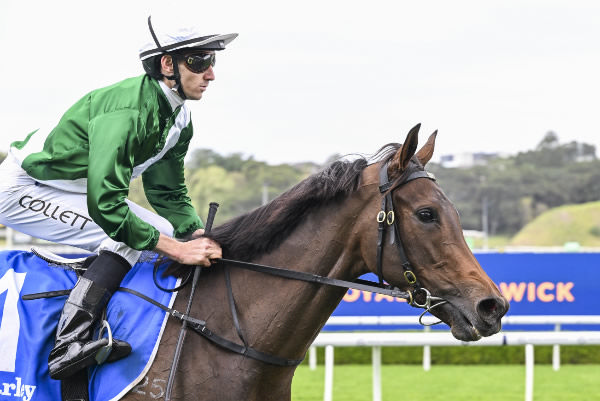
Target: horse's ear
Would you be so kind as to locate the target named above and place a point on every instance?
(406, 152)
(426, 152)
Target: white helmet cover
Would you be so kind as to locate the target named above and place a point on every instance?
(181, 38)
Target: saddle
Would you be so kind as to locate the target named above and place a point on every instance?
(76, 264)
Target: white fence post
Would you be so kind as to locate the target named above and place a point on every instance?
(376, 361)
(527, 339)
(529, 364)
(556, 352)
(328, 396)
(312, 357)
(9, 238)
(427, 353)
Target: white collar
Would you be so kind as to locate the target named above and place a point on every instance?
(172, 96)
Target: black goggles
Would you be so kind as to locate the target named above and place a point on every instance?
(199, 62)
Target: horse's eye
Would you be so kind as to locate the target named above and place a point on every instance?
(426, 215)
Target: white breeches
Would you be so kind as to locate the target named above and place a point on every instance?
(59, 216)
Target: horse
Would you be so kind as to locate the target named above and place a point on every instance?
(327, 225)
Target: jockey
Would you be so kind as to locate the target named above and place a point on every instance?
(69, 183)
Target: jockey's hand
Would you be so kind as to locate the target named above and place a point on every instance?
(198, 251)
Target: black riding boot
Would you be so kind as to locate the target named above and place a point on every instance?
(75, 347)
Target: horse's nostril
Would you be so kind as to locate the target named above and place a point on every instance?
(491, 308)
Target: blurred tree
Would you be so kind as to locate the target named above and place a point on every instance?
(238, 184)
(136, 193)
(550, 141)
(514, 189)
(214, 184)
(550, 153)
(517, 189)
(200, 158)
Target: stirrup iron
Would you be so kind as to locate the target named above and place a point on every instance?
(104, 352)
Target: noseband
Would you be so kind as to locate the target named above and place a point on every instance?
(386, 219)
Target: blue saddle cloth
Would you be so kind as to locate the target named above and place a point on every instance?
(27, 328)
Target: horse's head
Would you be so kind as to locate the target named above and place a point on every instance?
(429, 233)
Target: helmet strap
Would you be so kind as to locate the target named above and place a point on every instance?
(176, 76)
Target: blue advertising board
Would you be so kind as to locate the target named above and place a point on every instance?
(533, 283)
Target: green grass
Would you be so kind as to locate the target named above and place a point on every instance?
(451, 382)
(493, 355)
(570, 223)
(493, 242)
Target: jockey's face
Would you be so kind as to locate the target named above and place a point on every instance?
(194, 84)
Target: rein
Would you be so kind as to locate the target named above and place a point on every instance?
(362, 285)
(385, 216)
(386, 221)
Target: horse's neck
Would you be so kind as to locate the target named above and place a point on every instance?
(283, 316)
(279, 316)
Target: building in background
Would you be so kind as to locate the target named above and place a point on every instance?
(465, 160)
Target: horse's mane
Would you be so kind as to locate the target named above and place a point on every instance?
(265, 228)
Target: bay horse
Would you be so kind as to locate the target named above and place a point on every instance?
(325, 225)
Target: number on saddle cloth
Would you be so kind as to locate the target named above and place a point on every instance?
(32, 326)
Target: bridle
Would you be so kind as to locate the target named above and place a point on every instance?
(386, 220)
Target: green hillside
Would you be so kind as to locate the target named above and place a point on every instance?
(571, 223)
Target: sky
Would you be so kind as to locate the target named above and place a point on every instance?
(309, 79)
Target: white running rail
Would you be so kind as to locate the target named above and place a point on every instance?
(376, 340)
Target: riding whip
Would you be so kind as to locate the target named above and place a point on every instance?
(212, 211)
